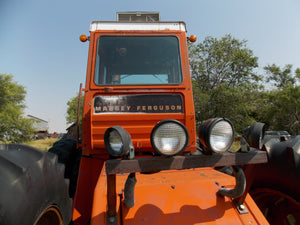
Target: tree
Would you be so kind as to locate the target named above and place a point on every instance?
(218, 61)
(224, 81)
(282, 78)
(282, 110)
(297, 73)
(14, 128)
(72, 109)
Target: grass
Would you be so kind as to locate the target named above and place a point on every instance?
(43, 144)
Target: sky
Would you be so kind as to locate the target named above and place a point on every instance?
(40, 47)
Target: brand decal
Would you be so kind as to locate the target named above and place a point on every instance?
(138, 104)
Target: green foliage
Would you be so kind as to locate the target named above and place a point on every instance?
(239, 104)
(218, 61)
(14, 128)
(282, 78)
(225, 85)
(72, 109)
(297, 73)
(224, 81)
(10, 92)
(282, 109)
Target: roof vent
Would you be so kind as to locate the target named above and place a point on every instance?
(138, 16)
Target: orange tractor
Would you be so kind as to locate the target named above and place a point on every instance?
(140, 160)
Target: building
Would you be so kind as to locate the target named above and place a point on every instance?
(40, 127)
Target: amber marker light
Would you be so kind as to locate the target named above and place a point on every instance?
(192, 38)
(83, 38)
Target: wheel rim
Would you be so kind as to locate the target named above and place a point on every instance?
(50, 216)
(277, 207)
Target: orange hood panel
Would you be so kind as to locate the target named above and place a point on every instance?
(177, 197)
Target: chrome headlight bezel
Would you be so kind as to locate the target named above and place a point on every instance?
(165, 128)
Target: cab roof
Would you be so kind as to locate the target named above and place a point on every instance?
(138, 26)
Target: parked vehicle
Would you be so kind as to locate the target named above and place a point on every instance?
(138, 160)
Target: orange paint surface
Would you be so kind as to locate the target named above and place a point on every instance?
(176, 197)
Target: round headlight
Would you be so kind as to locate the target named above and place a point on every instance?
(169, 137)
(216, 134)
(117, 141)
(254, 135)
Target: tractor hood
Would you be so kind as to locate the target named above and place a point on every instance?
(177, 197)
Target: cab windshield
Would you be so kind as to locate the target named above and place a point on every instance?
(131, 60)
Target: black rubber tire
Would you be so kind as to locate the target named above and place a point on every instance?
(32, 182)
(281, 174)
(70, 156)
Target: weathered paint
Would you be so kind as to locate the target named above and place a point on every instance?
(176, 197)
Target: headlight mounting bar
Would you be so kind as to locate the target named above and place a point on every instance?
(116, 166)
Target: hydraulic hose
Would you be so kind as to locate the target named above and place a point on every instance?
(240, 186)
(129, 190)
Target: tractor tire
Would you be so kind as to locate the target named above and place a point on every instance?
(33, 188)
(276, 184)
(69, 155)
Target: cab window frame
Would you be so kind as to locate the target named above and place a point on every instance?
(177, 59)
